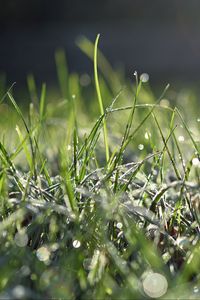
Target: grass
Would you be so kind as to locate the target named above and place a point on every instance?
(99, 206)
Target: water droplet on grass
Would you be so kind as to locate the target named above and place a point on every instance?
(147, 135)
(54, 247)
(85, 80)
(181, 138)
(140, 147)
(109, 291)
(43, 253)
(4, 233)
(144, 77)
(19, 292)
(164, 103)
(155, 172)
(76, 244)
(155, 285)
(25, 270)
(119, 225)
(196, 162)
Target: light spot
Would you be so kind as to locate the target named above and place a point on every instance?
(85, 80)
(147, 135)
(21, 238)
(73, 96)
(164, 103)
(155, 285)
(196, 162)
(181, 138)
(155, 172)
(33, 277)
(54, 247)
(43, 253)
(144, 77)
(76, 244)
(109, 291)
(196, 289)
(25, 270)
(198, 120)
(4, 233)
(19, 292)
(140, 147)
(69, 147)
(119, 225)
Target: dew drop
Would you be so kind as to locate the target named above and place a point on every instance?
(85, 80)
(25, 270)
(119, 225)
(155, 172)
(196, 162)
(181, 138)
(76, 243)
(54, 247)
(4, 233)
(144, 77)
(33, 277)
(43, 253)
(21, 238)
(19, 292)
(147, 135)
(155, 285)
(140, 147)
(164, 103)
(109, 291)
(135, 73)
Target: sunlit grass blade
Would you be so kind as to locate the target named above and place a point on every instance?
(42, 102)
(100, 98)
(167, 148)
(32, 89)
(111, 77)
(26, 127)
(25, 148)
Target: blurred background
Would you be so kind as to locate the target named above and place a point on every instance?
(159, 37)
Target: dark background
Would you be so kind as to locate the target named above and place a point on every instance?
(160, 37)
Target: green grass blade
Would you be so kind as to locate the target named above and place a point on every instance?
(32, 89)
(42, 102)
(87, 47)
(62, 71)
(100, 98)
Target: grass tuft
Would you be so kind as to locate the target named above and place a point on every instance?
(84, 216)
